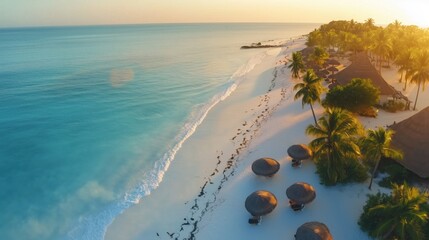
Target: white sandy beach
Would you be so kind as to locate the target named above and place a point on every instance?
(202, 194)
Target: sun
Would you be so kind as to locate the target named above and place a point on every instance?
(416, 12)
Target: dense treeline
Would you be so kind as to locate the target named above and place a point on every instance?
(406, 46)
(343, 151)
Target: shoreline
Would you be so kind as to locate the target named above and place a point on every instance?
(216, 170)
(259, 119)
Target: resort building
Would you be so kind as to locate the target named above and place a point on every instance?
(361, 67)
(412, 138)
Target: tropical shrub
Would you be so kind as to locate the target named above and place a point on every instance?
(401, 215)
(393, 106)
(375, 146)
(397, 175)
(319, 56)
(358, 95)
(335, 147)
(368, 220)
(352, 171)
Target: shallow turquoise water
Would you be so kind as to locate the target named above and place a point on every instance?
(86, 113)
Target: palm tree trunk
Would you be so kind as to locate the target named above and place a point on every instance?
(417, 96)
(329, 161)
(373, 173)
(379, 64)
(405, 85)
(314, 116)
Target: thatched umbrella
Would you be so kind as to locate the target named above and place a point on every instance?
(260, 203)
(313, 231)
(299, 152)
(301, 193)
(265, 167)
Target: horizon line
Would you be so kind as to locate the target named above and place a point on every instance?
(146, 23)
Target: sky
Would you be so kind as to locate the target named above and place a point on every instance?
(18, 13)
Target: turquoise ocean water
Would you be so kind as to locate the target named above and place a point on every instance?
(90, 116)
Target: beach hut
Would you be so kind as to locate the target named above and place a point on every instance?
(260, 203)
(299, 152)
(313, 231)
(412, 138)
(301, 193)
(265, 167)
(361, 67)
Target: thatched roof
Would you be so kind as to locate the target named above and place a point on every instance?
(260, 203)
(299, 151)
(313, 231)
(412, 138)
(332, 61)
(301, 193)
(265, 166)
(361, 67)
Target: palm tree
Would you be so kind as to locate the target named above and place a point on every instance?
(421, 72)
(370, 23)
(382, 46)
(397, 24)
(334, 140)
(297, 64)
(403, 217)
(404, 61)
(377, 145)
(309, 90)
(319, 56)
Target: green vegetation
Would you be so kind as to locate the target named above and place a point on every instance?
(319, 56)
(421, 72)
(297, 64)
(340, 148)
(401, 215)
(397, 175)
(405, 46)
(377, 145)
(309, 90)
(335, 148)
(393, 106)
(356, 96)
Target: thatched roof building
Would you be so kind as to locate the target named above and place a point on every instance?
(361, 67)
(412, 137)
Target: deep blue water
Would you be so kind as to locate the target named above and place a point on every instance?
(89, 114)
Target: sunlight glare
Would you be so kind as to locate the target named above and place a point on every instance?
(416, 13)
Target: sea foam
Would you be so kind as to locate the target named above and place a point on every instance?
(95, 227)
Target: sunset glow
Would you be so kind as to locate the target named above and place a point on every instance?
(97, 12)
(416, 13)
